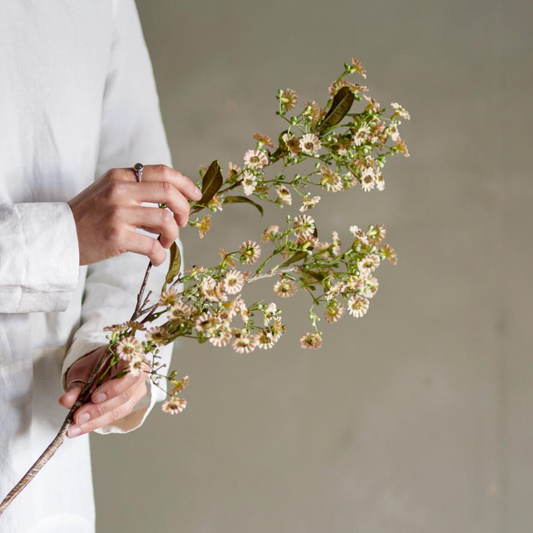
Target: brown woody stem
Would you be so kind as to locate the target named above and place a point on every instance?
(83, 398)
(59, 438)
(139, 306)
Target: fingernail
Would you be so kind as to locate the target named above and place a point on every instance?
(198, 193)
(74, 431)
(100, 397)
(83, 418)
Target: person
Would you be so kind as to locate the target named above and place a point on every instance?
(77, 101)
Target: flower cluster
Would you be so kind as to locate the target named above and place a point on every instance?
(347, 148)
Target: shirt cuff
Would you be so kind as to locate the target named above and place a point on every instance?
(50, 266)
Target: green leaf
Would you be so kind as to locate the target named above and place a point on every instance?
(211, 182)
(316, 275)
(296, 257)
(282, 148)
(342, 102)
(243, 200)
(175, 265)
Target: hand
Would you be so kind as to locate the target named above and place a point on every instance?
(108, 212)
(112, 400)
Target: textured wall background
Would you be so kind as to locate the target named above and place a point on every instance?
(416, 418)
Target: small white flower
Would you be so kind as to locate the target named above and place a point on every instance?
(249, 183)
(265, 340)
(289, 99)
(358, 233)
(270, 311)
(245, 343)
(336, 249)
(263, 139)
(361, 135)
(334, 311)
(285, 288)
(250, 252)
(334, 290)
(311, 341)
(309, 202)
(158, 335)
(304, 227)
(367, 180)
(255, 159)
(358, 306)
(400, 110)
(128, 348)
(284, 194)
(205, 322)
(220, 335)
(368, 264)
(136, 364)
(371, 287)
(233, 282)
(310, 143)
(380, 182)
(174, 405)
(330, 180)
(292, 142)
(269, 232)
(393, 131)
(180, 311)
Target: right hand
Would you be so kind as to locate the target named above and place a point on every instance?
(108, 212)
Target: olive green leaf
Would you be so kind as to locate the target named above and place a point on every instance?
(175, 265)
(316, 275)
(296, 257)
(211, 182)
(342, 102)
(282, 147)
(243, 200)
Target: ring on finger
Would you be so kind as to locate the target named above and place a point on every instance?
(138, 169)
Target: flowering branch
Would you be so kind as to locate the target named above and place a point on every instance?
(345, 149)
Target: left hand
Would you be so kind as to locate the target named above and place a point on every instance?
(112, 400)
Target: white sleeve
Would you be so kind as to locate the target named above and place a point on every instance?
(39, 257)
(132, 131)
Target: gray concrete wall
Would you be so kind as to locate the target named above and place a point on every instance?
(416, 418)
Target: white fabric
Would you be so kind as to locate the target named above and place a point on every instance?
(77, 97)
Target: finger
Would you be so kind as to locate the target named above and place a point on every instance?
(163, 173)
(160, 173)
(68, 399)
(91, 411)
(155, 231)
(159, 219)
(132, 241)
(116, 413)
(116, 387)
(161, 192)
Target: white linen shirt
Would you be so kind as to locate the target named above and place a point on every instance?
(77, 97)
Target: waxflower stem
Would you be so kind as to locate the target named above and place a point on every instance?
(56, 443)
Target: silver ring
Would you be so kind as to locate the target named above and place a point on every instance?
(138, 169)
(74, 381)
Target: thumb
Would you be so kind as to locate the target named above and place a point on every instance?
(68, 399)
